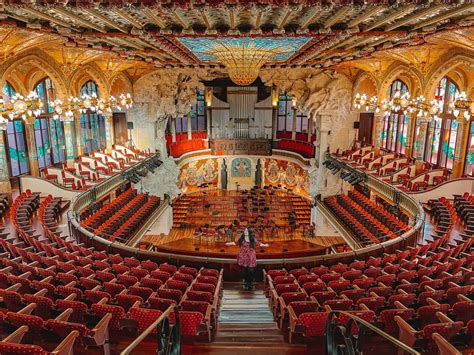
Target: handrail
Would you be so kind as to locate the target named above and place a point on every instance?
(332, 346)
(167, 337)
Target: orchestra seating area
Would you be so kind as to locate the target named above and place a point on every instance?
(262, 209)
(57, 294)
(367, 221)
(410, 294)
(122, 216)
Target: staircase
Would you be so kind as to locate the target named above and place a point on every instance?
(246, 325)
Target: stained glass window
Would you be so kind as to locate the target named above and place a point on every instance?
(57, 141)
(92, 123)
(441, 138)
(286, 115)
(47, 93)
(469, 163)
(43, 144)
(198, 113)
(17, 149)
(395, 125)
(7, 91)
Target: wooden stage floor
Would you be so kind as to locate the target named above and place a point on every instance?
(276, 249)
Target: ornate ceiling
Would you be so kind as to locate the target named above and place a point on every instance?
(141, 35)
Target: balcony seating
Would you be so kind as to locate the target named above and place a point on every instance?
(304, 148)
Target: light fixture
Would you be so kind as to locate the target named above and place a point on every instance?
(19, 106)
(90, 103)
(460, 106)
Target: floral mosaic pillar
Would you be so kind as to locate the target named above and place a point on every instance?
(410, 138)
(5, 186)
(378, 137)
(32, 152)
(461, 147)
(109, 131)
(419, 144)
(79, 133)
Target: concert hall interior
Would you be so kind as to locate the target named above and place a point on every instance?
(223, 177)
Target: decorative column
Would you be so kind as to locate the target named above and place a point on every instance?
(30, 141)
(5, 186)
(209, 122)
(68, 139)
(377, 137)
(410, 140)
(190, 131)
(173, 129)
(109, 131)
(79, 133)
(419, 144)
(310, 128)
(461, 147)
(293, 127)
(160, 137)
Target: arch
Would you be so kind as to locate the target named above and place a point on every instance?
(411, 77)
(365, 83)
(452, 62)
(85, 73)
(120, 83)
(43, 62)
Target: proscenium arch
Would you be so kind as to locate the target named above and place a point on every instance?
(44, 63)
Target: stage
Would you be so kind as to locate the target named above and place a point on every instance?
(276, 250)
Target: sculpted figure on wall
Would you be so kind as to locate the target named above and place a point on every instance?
(326, 97)
(164, 180)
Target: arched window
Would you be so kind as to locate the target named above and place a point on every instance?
(7, 91)
(49, 132)
(47, 93)
(92, 123)
(442, 131)
(288, 117)
(395, 124)
(17, 150)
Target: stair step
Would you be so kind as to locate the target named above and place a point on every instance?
(238, 327)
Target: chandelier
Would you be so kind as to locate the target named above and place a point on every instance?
(244, 59)
(460, 105)
(90, 103)
(20, 106)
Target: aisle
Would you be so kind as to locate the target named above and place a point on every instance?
(246, 324)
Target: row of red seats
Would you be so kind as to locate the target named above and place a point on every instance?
(303, 148)
(86, 279)
(302, 137)
(108, 210)
(179, 148)
(129, 227)
(122, 215)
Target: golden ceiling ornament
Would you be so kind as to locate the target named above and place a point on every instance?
(244, 61)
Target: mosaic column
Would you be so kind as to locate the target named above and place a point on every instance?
(274, 123)
(5, 186)
(419, 145)
(32, 152)
(109, 131)
(79, 133)
(378, 119)
(409, 143)
(461, 147)
(293, 127)
(69, 140)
